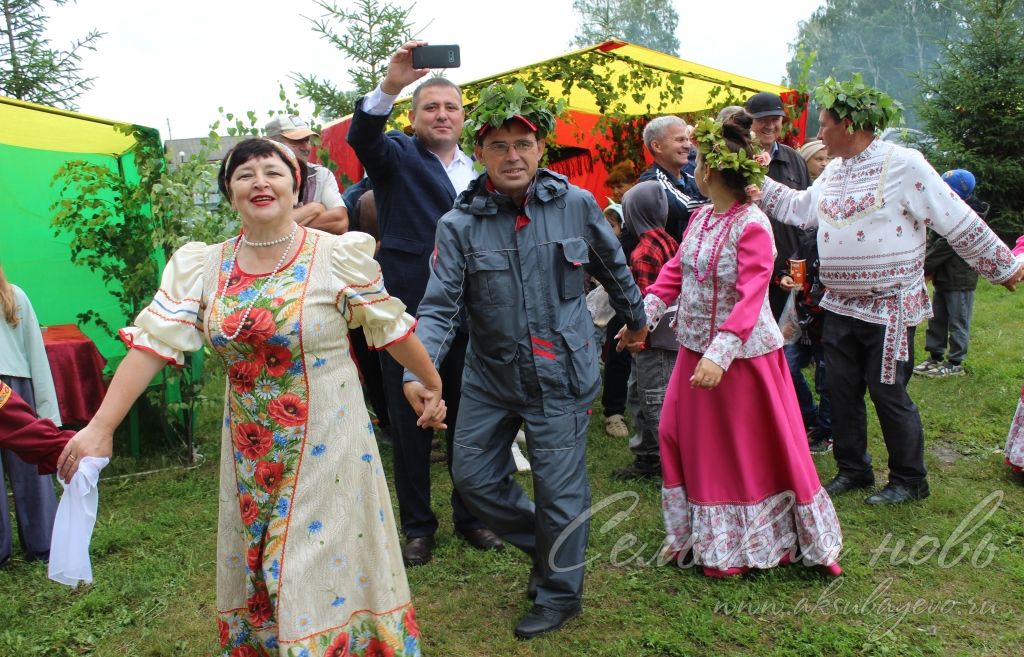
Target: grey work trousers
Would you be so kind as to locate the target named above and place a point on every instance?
(553, 532)
(652, 368)
(951, 321)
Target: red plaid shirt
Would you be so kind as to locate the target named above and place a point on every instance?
(654, 249)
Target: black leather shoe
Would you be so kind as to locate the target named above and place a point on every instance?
(639, 469)
(841, 484)
(481, 538)
(897, 494)
(541, 620)
(418, 551)
(533, 583)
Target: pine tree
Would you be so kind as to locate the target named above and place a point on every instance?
(30, 69)
(973, 104)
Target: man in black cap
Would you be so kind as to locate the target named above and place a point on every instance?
(786, 167)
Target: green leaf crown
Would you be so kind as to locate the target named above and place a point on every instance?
(867, 108)
(499, 103)
(712, 146)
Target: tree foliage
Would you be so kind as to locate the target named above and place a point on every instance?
(973, 104)
(367, 33)
(30, 68)
(649, 23)
(889, 43)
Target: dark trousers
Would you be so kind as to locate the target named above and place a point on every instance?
(373, 379)
(799, 355)
(617, 365)
(951, 322)
(853, 362)
(412, 445)
(554, 531)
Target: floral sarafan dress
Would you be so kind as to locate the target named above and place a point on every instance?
(308, 558)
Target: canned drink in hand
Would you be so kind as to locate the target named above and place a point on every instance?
(798, 271)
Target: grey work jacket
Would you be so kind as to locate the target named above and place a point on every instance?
(531, 337)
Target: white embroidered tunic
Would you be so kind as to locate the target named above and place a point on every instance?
(872, 212)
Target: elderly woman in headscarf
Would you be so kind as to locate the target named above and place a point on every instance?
(645, 210)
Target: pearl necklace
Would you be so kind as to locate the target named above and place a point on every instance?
(279, 240)
(231, 268)
(706, 227)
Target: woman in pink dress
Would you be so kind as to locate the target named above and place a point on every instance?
(1015, 440)
(740, 489)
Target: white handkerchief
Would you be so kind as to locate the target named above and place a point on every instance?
(72, 528)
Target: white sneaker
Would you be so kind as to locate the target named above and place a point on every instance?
(522, 463)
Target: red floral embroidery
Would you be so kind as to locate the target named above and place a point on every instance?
(378, 648)
(250, 510)
(224, 632)
(254, 558)
(339, 647)
(239, 282)
(288, 409)
(253, 440)
(260, 610)
(259, 327)
(276, 358)
(268, 474)
(243, 375)
(409, 620)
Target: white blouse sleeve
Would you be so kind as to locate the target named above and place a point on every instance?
(170, 324)
(362, 299)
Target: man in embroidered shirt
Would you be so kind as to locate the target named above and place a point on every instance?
(415, 181)
(872, 206)
(321, 205)
(786, 167)
(514, 253)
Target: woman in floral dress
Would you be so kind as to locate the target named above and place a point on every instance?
(308, 559)
(740, 489)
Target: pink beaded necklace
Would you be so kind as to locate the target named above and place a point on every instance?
(712, 221)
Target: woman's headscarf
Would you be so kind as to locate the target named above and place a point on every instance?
(645, 207)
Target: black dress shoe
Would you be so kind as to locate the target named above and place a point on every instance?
(481, 538)
(841, 484)
(541, 620)
(418, 551)
(897, 494)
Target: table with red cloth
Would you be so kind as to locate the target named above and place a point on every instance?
(77, 368)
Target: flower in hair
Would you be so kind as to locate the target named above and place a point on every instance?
(711, 143)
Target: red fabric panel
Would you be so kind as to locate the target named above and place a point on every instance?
(77, 368)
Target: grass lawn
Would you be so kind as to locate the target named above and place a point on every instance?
(942, 577)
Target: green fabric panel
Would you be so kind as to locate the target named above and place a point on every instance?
(39, 262)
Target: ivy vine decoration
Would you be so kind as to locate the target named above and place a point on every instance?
(500, 102)
(867, 108)
(717, 154)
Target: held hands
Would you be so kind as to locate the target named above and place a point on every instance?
(400, 71)
(1011, 283)
(631, 339)
(427, 403)
(706, 375)
(90, 441)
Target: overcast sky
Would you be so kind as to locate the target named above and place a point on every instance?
(177, 61)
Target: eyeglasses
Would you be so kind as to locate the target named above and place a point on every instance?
(500, 147)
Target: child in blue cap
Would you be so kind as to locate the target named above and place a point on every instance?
(953, 299)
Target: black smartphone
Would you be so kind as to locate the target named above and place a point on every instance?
(436, 57)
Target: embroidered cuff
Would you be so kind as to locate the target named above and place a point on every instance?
(654, 308)
(723, 349)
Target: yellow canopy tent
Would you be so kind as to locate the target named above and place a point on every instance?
(568, 76)
(35, 141)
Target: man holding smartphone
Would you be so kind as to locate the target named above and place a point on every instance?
(415, 181)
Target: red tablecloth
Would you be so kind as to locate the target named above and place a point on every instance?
(77, 368)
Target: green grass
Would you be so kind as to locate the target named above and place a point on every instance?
(154, 558)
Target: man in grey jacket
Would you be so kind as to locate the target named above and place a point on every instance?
(514, 252)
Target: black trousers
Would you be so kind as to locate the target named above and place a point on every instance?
(853, 365)
(412, 445)
(617, 365)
